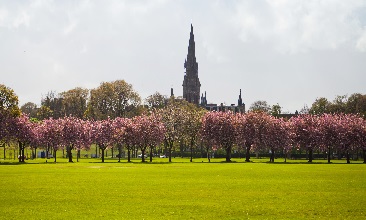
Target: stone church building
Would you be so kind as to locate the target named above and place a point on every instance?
(192, 85)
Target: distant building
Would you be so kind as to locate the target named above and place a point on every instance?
(191, 84)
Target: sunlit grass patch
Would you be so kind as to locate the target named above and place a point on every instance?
(182, 190)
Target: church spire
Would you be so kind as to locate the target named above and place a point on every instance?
(240, 100)
(191, 82)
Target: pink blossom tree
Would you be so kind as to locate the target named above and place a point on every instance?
(249, 130)
(142, 125)
(173, 116)
(157, 133)
(50, 133)
(22, 130)
(102, 133)
(85, 139)
(72, 133)
(129, 136)
(150, 131)
(351, 133)
(362, 139)
(306, 132)
(221, 128)
(192, 126)
(119, 126)
(276, 136)
(329, 130)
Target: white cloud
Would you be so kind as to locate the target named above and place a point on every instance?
(263, 47)
(361, 42)
(298, 26)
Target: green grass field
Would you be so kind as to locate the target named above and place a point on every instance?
(182, 190)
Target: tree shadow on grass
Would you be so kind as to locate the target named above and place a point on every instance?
(12, 163)
(301, 162)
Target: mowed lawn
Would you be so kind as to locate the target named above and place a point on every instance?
(182, 190)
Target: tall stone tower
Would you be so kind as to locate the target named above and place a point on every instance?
(191, 82)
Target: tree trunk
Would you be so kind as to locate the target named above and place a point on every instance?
(310, 155)
(208, 154)
(170, 152)
(328, 155)
(112, 151)
(143, 155)
(69, 154)
(364, 155)
(35, 153)
(192, 143)
(191, 154)
(23, 154)
(4, 151)
(102, 148)
(228, 154)
(247, 153)
(119, 152)
(96, 151)
(272, 156)
(47, 150)
(54, 154)
(306, 154)
(77, 156)
(128, 154)
(151, 153)
(347, 155)
(20, 151)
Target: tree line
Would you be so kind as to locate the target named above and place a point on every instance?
(109, 99)
(168, 121)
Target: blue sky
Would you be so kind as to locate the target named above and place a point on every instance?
(286, 52)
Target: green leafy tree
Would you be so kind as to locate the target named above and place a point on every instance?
(44, 112)
(276, 110)
(30, 109)
(260, 106)
(339, 104)
(8, 110)
(356, 104)
(9, 101)
(113, 99)
(156, 100)
(54, 103)
(320, 106)
(74, 101)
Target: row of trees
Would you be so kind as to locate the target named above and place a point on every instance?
(110, 99)
(257, 131)
(181, 122)
(118, 99)
(354, 104)
(254, 131)
(71, 133)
